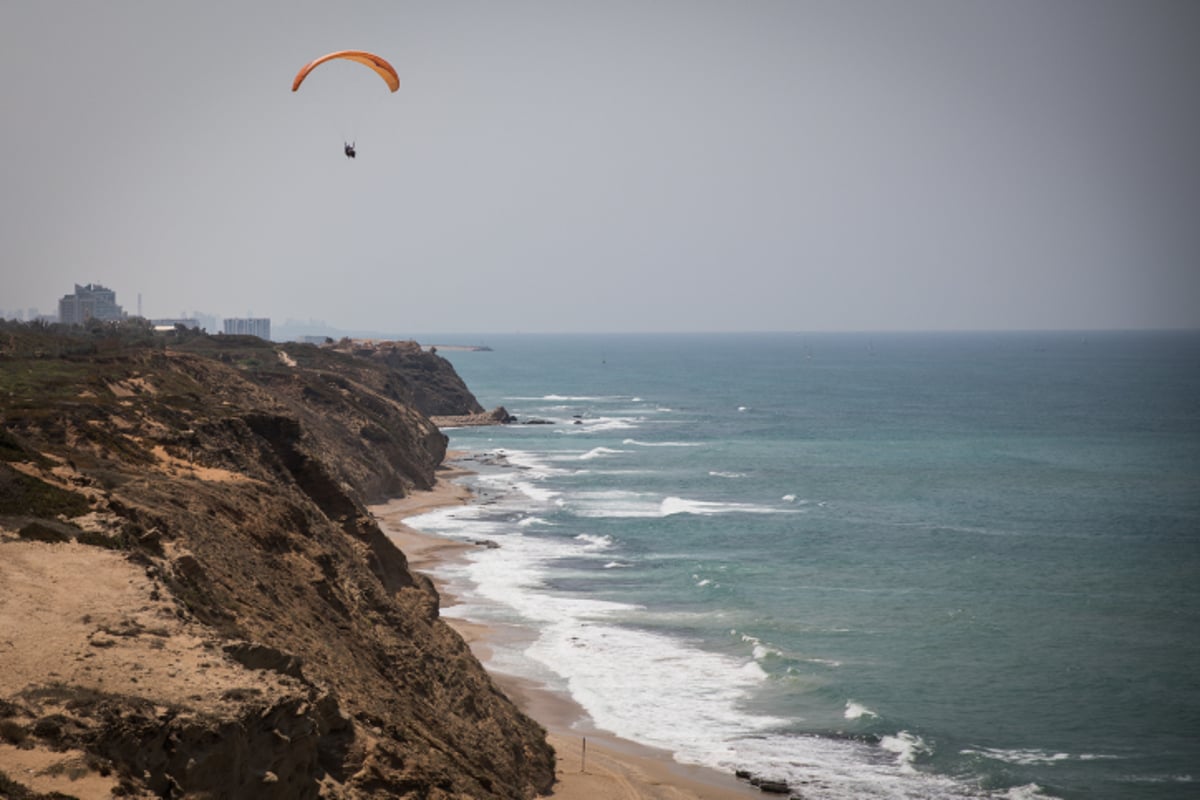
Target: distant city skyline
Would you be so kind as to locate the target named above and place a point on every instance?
(80, 307)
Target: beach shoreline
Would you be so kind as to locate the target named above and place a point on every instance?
(591, 764)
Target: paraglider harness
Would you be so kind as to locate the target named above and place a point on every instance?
(349, 148)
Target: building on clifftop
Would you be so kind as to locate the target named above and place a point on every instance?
(252, 326)
(89, 302)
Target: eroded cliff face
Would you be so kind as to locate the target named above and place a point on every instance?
(194, 600)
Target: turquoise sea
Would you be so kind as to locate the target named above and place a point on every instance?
(875, 566)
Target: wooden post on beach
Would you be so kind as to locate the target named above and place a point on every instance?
(583, 760)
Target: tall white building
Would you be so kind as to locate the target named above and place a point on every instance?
(252, 326)
(89, 302)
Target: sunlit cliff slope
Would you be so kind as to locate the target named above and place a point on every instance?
(194, 600)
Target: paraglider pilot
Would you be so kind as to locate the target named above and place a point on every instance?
(349, 148)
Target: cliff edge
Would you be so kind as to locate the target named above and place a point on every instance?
(194, 601)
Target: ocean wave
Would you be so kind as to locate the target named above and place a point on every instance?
(758, 650)
(596, 452)
(629, 504)
(535, 465)
(594, 542)
(532, 520)
(661, 444)
(1030, 791)
(721, 474)
(823, 662)
(679, 505)
(838, 769)
(1154, 779)
(535, 492)
(598, 424)
(1027, 757)
(907, 747)
(569, 398)
(856, 710)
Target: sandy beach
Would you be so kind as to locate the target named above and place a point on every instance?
(611, 768)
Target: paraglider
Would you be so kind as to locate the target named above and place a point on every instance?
(381, 68)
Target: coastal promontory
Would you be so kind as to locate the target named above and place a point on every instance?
(194, 599)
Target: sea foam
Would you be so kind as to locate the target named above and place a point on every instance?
(631, 504)
(597, 452)
(661, 444)
(855, 710)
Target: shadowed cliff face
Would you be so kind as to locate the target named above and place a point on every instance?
(242, 626)
(426, 380)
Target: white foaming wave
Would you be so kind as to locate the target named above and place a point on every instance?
(1153, 779)
(597, 452)
(661, 444)
(757, 648)
(535, 492)
(532, 464)
(702, 689)
(856, 710)
(762, 650)
(528, 521)
(580, 398)
(593, 542)
(628, 504)
(599, 424)
(788, 498)
(567, 398)
(460, 524)
(743, 408)
(721, 474)
(614, 503)
(1030, 791)
(617, 565)
(1026, 757)
(679, 505)
(515, 573)
(830, 769)
(436, 519)
(907, 747)
(824, 662)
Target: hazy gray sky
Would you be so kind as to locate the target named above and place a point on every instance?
(613, 165)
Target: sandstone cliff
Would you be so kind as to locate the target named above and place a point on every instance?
(194, 601)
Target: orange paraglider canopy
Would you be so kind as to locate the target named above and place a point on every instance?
(381, 67)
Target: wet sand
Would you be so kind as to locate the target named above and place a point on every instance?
(611, 768)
